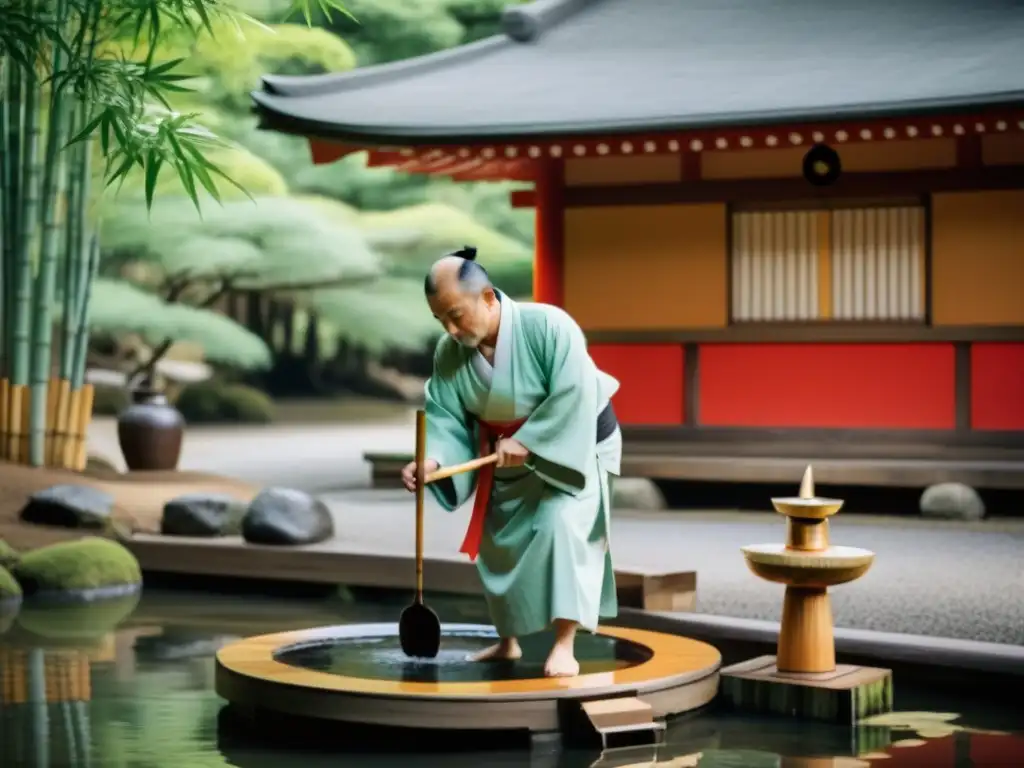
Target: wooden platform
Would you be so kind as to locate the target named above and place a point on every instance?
(337, 562)
(679, 676)
(673, 462)
(845, 695)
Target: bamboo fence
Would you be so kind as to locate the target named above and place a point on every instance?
(68, 414)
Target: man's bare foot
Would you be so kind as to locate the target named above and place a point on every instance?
(505, 650)
(561, 662)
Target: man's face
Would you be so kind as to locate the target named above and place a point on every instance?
(464, 316)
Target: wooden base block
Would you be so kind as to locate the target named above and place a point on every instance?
(657, 591)
(844, 695)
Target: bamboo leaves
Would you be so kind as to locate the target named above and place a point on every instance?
(78, 78)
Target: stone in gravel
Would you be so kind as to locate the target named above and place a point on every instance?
(952, 501)
(203, 514)
(286, 516)
(69, 506)
(636, 493)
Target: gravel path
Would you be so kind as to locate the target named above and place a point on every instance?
(945, 579)
(959, 580)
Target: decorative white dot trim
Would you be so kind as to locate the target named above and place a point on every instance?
(1020, 124)
(771, 141)
(911, 131)
(406, 152)
(673, 146)
(1001, 125)
(534, 152)
(650, 146)
(696, 145)
(602, 149)
(817, 137)
(627, 147)
(936, 130)
(556, 151)
(796, 138)
(722, 143)
(579, 150)
(958, 129)
(842, 135)
(889, 133)
(511, 151)
(865, 134)
(488, 152)
(746, 141)
(979, 127)
(463, 152)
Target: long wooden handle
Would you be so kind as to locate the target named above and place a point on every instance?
(421, 457)
(458, 469)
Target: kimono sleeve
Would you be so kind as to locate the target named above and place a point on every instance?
(561, 433)
(450, 435)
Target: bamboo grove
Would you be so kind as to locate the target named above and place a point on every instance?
(83, 103)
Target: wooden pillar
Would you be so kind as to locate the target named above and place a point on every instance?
(548, 260)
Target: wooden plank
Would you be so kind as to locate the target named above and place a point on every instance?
(334, 563)
(618, 712)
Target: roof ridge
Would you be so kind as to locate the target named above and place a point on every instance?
(525, 23)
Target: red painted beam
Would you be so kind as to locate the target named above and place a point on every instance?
(523, 198)
(549, 244)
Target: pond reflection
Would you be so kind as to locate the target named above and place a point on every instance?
(130, 684)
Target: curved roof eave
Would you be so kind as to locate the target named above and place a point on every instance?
(275, 118)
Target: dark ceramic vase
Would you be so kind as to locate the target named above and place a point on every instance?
(150, 431)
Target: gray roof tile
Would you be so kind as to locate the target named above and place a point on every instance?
(634, 65)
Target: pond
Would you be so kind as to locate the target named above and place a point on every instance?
(130, 684)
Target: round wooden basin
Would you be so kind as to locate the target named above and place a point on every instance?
(826, 568)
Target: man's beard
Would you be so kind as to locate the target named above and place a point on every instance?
(469, 342)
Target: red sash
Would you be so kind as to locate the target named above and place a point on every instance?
(489, 433)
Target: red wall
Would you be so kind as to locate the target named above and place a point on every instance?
(651, 376)
(871, 386)
(997, 386)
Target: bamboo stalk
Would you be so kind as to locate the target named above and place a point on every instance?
(82, 426)
(26, 420)
(42, 307)
(18, 393)
(52, 417)
(74, 408)
(61, 422)
(82, 338)
(5, 404)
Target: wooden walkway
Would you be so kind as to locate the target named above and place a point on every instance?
(337, 561)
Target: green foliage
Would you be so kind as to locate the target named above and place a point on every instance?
(216, 403)
(386, 32)
(8, 556)
(124, 308)
(86, 563)
(108, 401)
(389, 313)
(234, 60)
(9, 588)
(274, 243)
(411, 239)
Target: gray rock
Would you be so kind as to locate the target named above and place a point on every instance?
(286, 516)
(198, 514)
(636, 493)
(69, 506)
(952, 501)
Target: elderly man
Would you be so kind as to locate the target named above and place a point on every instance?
(516, 378)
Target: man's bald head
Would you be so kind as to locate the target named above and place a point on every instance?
(457, 270)
(462, 298)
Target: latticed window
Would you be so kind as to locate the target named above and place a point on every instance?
(857, 263)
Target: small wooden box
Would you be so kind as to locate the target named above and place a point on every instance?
(847, 694)
(669, 592)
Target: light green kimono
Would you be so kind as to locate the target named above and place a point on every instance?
(545, 552)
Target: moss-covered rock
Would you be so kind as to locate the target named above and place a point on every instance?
(10, 590)
(8, 555)
(86, 569)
